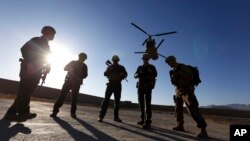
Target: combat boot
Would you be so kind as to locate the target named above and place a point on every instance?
(73, 115)
(100, 119)
(53, 115)
(24, 117)
(179, 128)
(203, 133)
(140, 122)
(146, 126)
(117, 119)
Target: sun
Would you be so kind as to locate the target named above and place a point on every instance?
(59, 57)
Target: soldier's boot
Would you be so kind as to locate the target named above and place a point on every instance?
(179, 128)
(146, 126)
(100, 119)
(54, 113)
(203, 133)
(117, 119)
(24, 117)
(73, 115)
(140, 122)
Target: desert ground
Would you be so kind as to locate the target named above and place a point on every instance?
(86, 127)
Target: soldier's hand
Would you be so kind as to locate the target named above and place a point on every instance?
(136, 75)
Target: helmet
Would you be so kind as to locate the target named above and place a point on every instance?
(115, 58)
(82, 55)
(47, 29)
(146, 56)
(170, 58)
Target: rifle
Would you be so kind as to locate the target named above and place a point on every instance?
(45, 71)
(108, 63)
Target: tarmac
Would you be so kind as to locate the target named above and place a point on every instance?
(86, 127)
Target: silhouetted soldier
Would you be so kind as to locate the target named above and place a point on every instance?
(115, 73)
(146, 74)
(77, 71)
(33, 64)
(182, 78)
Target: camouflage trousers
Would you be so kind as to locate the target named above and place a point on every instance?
(188, 97)
(67, 86)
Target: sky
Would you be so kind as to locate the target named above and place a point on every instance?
(213, 35)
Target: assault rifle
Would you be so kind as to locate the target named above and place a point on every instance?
(109, 63)
(45, 71)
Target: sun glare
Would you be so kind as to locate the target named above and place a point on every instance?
(59, 57)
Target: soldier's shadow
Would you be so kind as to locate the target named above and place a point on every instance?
(100, 135)
(76, 134)
(7, 131)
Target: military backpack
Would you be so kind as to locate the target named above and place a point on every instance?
(196, 75)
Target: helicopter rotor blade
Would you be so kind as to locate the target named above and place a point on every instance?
(160, 43)
(140, 29)
(139, 52)
(165, 33)
(162, 56)
(144, 42)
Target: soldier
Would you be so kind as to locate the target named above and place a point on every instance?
(77, 71)
(181, 78)
(115, 74)
(146, 74)
(33, 65)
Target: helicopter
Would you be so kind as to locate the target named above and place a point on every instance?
(151, 49)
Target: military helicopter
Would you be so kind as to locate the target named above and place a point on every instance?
(151, 49)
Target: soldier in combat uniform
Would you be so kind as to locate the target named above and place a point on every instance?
(115, 74)
(33, 65)
(181, 78)
(77, 71)
(146, 74)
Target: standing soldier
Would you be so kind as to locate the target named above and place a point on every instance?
(77, 71)
(146, 74)
(182, 78)
(115, 74)
(33, 65)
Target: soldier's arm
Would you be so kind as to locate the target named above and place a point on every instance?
(124, 73)
(106, 73)
(85, 72)
(136, 75)
(154, 71)
(68, 67)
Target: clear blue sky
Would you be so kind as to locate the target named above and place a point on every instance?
(212, 34)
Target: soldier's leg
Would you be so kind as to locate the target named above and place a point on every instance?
(179, 110)
(192, 106)
(117, 96)
(29, 87)
(148, 97)
(13, 109)
(105, 102)
(60, 100)
(141, 100)
(75, 93)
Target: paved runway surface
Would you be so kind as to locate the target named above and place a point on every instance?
(86, 127)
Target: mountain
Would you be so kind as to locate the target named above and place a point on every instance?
(245, 107)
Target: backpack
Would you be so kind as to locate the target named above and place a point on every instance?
(196, 75)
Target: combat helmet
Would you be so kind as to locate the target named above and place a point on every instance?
(48, 29)
(115, 58)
